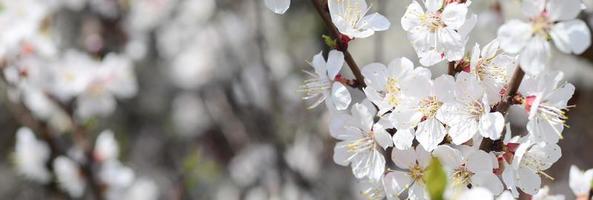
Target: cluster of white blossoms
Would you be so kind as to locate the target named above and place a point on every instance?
(65, 86)
(408, 115)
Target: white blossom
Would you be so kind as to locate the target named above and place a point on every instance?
(493, 68)
(548, 20)
(470, 112)
(31, 156)
(530, 160)
(438, 31)
(414, 162)
(361, 141)
(278, 6)
(580, 181)
(546, 99)
(324, 84)
(69, 177)
(351, 19)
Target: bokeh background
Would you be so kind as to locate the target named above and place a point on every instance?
(218, 115)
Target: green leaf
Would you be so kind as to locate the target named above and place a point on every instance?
(435, 179)
(329, 41)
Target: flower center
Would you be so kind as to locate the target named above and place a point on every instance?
(416, 172)
(486, 70)
(362, 144)
(373, 193)
(429, 106)
(541, 25)
(353, 12)
(392, 91)
(476, 109)
(462, 176)
(314, 87)
(433, 21)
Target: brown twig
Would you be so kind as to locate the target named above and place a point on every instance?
(451, 69)
(341, 46)
(502, 107)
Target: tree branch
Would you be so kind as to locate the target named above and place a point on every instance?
(341, 46)
(502, 107)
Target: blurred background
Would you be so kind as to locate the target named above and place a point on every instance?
(217, 114)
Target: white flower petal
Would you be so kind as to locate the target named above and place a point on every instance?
(403, 139)
(374, 75)
(533, 8)
(382, 137)
(479, 161)
(403, 158)
(412, 16)
(375, 22)
(340, 96)
(395, 183)
(335, 61)
(454, 15)
(278, 6)
(433, 5)
(564, 9)
(450, 157)
(528, 181)
(430, 133)
(534, 57)
(514, 35)
(488, 181)
(571, 36)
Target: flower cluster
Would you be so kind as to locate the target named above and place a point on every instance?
(408, 115)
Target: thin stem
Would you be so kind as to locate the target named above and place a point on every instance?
(502, 107)
(451, 69)
(341, 46)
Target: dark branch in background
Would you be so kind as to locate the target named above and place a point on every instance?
(502, 107)
(341, 46)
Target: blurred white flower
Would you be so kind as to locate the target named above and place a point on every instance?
(580, 181)
(351, 19)
(251, 163)
(145, 15)
(106, 148)
(304, 154)
(189, 115)
(142, 189)
(24, 17)
(548, 20)
(278, 6)
(543, 194)
(31, 156)
(69, 176)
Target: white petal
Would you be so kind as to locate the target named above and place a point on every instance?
(399, 67)
(403, 158)
(375, 75)
(476, 193)
(479, 162)
(491, 49)
(278, 6)
(422, 156)
(514, 35)
(443, 88)
(578, 181)
(377, 166)
(533, 8)
(341, 154)
(340, 96)
(395, 183)
(318, 63)
(430, 133)
(454, 15)
(528, 181)
(382, 137)
(375, 22)
(488, 181)
(335, 61)
(564, 9)
(339, 127)
(491, 125)
(450, 157)
(433, 5)
(534, 57)
(412, 16)
(364, 114)
(430, 58)
(571, 36)
(403, 139)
